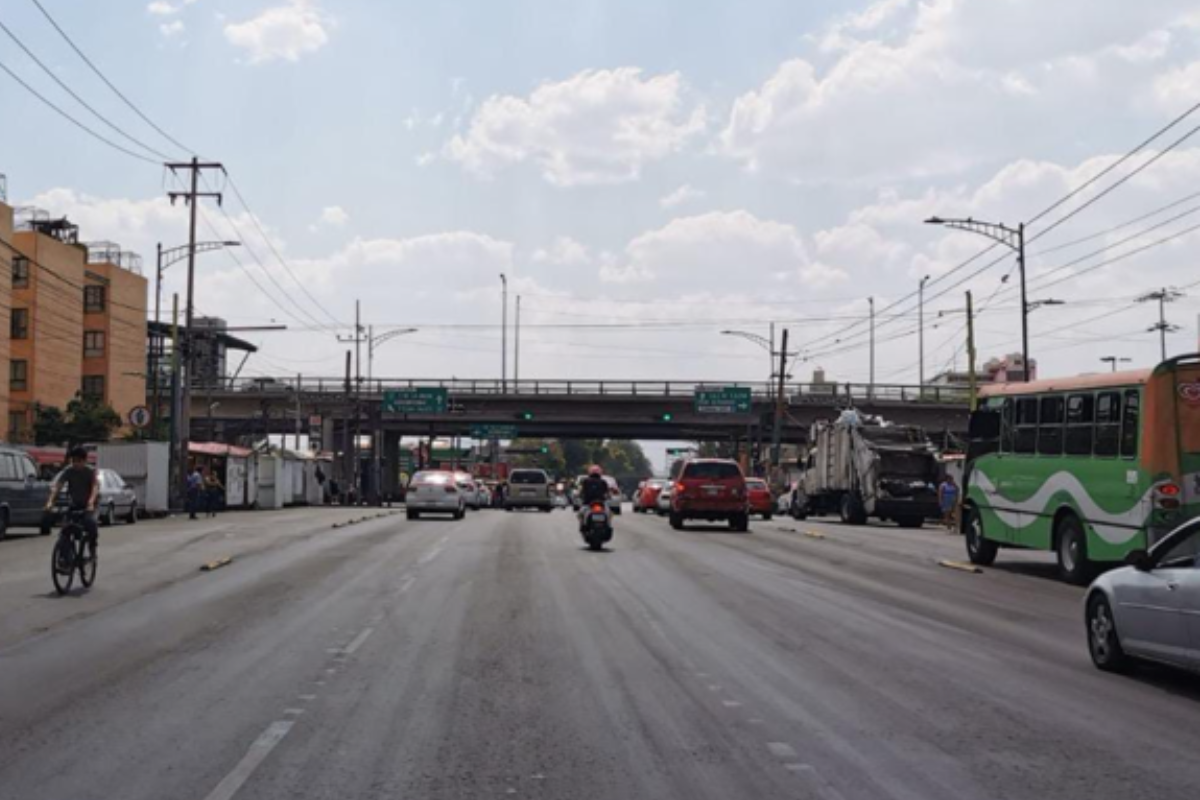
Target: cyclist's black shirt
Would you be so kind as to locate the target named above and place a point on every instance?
(79, 482)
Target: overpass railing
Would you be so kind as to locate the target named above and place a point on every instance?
(840, 394)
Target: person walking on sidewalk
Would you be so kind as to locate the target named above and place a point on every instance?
(948, 502)
(195, 486)
(213, 489)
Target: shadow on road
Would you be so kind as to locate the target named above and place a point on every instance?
(1176, 682)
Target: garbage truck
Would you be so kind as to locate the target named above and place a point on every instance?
(861, 467)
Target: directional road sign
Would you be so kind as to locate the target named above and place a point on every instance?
(722, 400)
(418, 400)
(484, 431)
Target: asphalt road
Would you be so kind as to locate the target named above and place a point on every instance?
(494, 657)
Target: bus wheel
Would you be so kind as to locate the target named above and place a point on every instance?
(1071, 547)
(980, 550)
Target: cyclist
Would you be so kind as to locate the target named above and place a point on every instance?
(83, 487)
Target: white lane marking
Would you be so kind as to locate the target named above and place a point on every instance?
(358, 641)
(781, 749)
(308, 698)
(407, 584)
(731, 704)
(267, 741)
(295, 712)
(712, 687)
(434, 552)
(331, 671)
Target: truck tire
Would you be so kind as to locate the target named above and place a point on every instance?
(852, 510)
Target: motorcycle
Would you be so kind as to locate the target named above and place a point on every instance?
(596, 525)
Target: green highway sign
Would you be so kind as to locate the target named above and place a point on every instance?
(722, 400)
(484, 431)
(680, 451)
(418, 400)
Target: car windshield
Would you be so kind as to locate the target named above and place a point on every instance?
(528, 476)
(752, 483)
(711, 470)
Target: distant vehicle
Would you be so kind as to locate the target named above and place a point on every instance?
(786, 502)
(646, 499)
(434, 492)
(860, 467)
(710, 489)
(1149, 609)
(265, 385)
(759, 499)
(529, 488)
(662, 503)
(117, 500)
(1091, 468)
(22, 494)
(597, 525)
(470, 489)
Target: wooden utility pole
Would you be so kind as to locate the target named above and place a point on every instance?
(191, 197)
(971, 380)
(777, 433)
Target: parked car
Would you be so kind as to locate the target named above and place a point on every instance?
(117, 499)
(434, 492)
(529, 488)
(22, 494)
(712, 489)
(1150, 608)
(759, 499)
(646, 499)
(662, 503)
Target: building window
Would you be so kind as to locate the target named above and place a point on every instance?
(93, 386)
(20, 272)
(93, 299)
(18, 376)
(20, 323)
(93, 344)
(16, 426)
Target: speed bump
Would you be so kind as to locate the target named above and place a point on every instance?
(220, 562)
(960, 566)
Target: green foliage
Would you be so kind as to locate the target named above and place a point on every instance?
(87, 420)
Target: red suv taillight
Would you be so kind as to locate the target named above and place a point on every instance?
(1167, 495)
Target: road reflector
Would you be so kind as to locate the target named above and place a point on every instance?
(814, 534)
(220, 562)
(960, 566)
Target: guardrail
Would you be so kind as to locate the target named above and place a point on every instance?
(838, 394)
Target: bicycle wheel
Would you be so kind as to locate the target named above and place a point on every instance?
(87, 566)
(62, 564)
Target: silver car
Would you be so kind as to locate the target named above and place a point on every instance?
(434, 492)
(1149, 609)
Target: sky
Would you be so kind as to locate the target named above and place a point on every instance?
(647, 174)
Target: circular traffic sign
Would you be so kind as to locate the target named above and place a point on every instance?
(139, 416)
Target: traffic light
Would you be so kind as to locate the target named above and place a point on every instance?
(545, 449)
(526, 415)
(666, 416)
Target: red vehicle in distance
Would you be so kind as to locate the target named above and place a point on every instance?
(646, 500)
(758, 496)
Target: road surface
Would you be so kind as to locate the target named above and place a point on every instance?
(494, 657)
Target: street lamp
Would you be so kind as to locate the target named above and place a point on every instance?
(373, 342)
(921, 331)
(768, 345)
(1113, 361)
(1013, 239)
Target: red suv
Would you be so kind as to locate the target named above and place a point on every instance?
(759, 498)
(710, 489)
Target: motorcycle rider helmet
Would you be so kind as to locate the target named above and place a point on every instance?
(595, 470)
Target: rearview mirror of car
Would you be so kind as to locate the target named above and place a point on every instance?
(1139, 560)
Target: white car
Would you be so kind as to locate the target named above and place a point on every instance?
(435, 492)
(1149, 609)
(663, 504)
(470, 489)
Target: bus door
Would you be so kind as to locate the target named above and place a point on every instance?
(1187, 422)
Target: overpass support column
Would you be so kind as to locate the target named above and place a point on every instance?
(390, 480)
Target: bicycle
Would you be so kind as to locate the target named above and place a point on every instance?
(70, 554)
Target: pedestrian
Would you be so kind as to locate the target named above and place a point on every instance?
(195, 485)
(213, 489)
(948, 502)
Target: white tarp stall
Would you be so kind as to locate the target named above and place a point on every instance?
(145, 467)
(273, 486)
(234, 466)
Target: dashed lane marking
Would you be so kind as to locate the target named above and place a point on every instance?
(358, 641)
(293, 712)
(781, 749)
(267, 741)
(731, 704)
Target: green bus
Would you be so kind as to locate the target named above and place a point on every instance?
(1089, 467)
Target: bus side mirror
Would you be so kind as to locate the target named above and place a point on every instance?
(984, 425)
(1139, 560)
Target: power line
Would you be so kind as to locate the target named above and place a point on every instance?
(62, 84)
(74, 121)
(1121, 226)
(109, 83)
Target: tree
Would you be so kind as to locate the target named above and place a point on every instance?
(87, 419)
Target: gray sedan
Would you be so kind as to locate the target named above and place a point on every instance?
(1149, 609)
(117, 499)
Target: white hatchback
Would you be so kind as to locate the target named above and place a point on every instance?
(435, 492)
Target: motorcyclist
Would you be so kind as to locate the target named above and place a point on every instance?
(592, 489)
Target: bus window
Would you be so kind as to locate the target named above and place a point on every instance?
(1006, 426)
(1050, 426)
(1025, 436)
(1108, 423)
(1130, 424)
(1080, 408)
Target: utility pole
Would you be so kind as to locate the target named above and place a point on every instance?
(1113, 361)
(348, 446)
(921, 333)
(971, 380)
(192, 198)
(1163, 296)
(175, 496)
(503, 333)
(358, 338)
(871, 382)
(517, 350)
(777, 433)
(1028, 368)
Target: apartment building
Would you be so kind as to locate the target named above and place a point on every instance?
(77, 322)
(6, 236)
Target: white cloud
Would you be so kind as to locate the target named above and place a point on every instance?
(563, 251)
(285, 32)
(162, 8)
(597, 127)
(334, 216)
(172, 28)
(684, 194)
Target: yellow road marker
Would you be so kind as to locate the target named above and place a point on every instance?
(960, 566)
(220, 562)
(814, 534)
